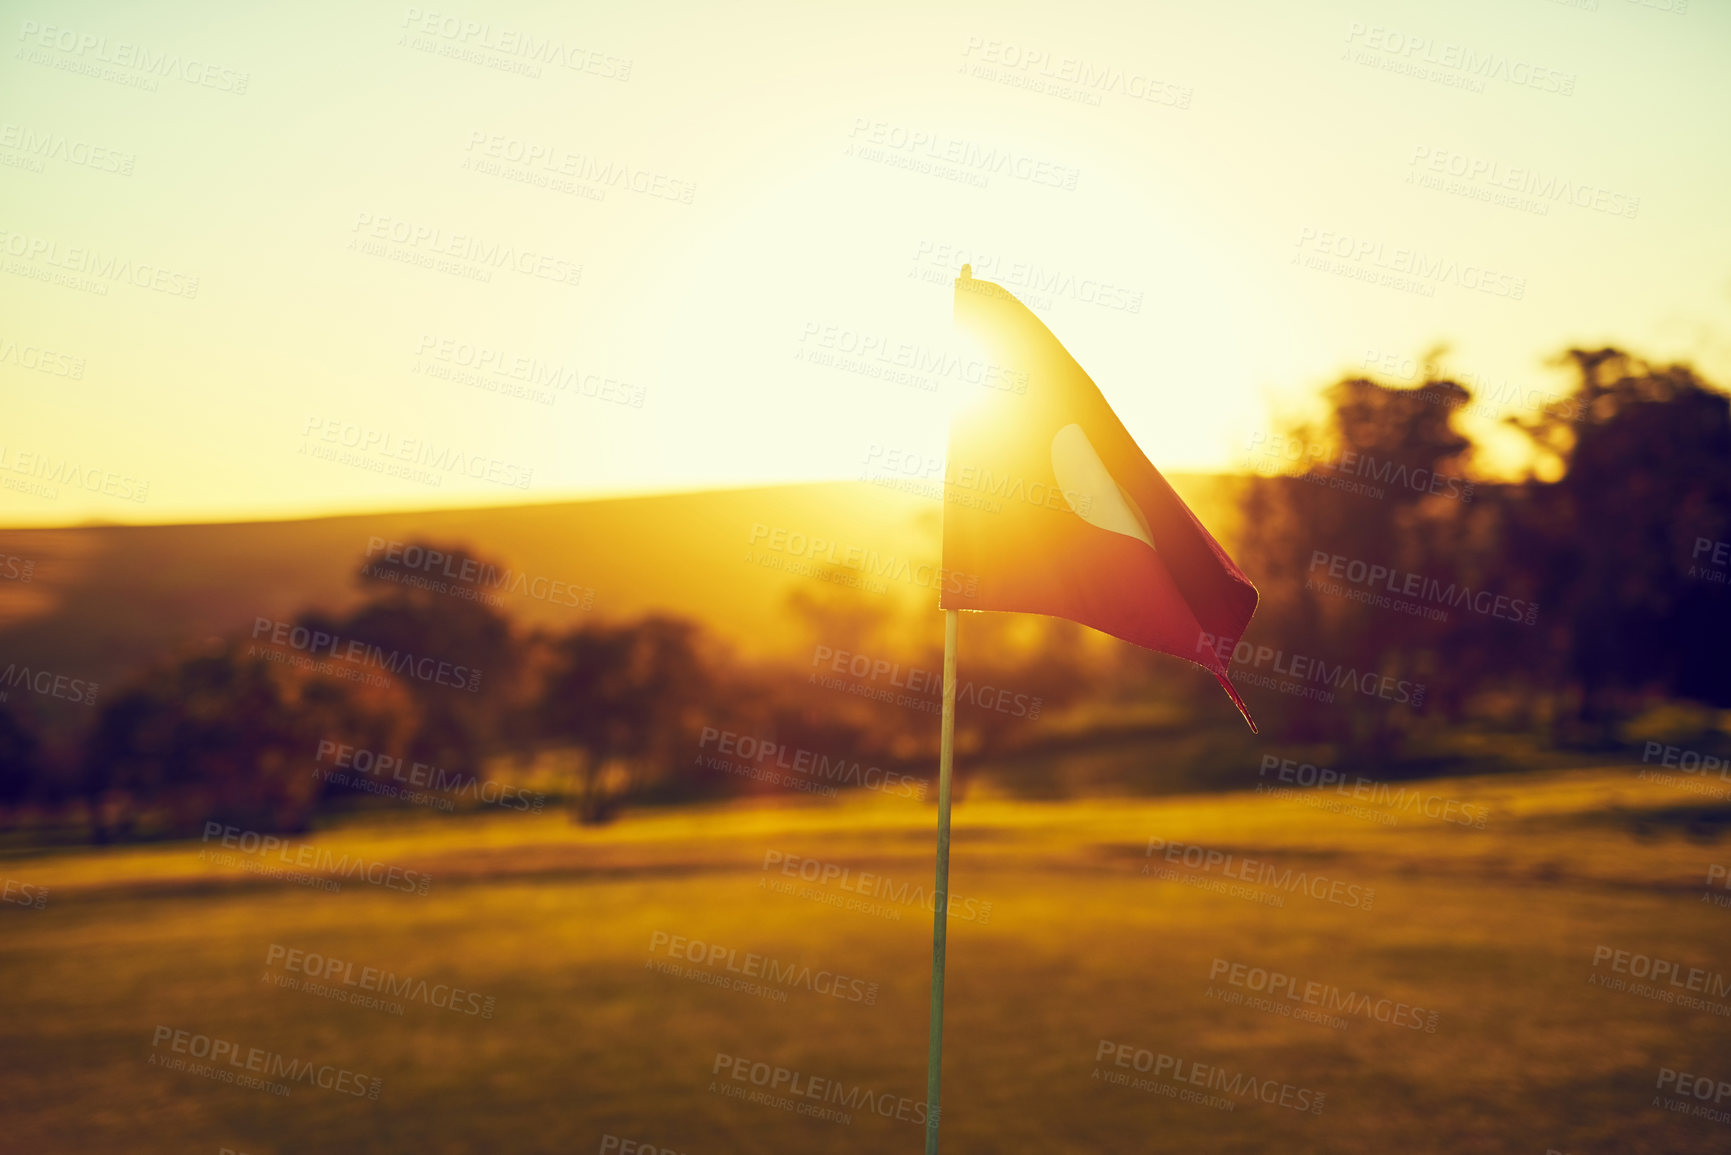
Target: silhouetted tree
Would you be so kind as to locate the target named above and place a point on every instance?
(439, 611)
(1643, 452)
(19, 768)
(617, 706)
(226, 736)
(1382, 481)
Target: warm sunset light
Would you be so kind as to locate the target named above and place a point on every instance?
(660, 579)
(661, 249)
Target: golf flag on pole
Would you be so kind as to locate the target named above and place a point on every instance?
(1097, 536)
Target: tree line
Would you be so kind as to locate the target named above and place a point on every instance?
(1406, 597)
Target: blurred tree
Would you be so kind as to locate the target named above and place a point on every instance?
(843, 618)
(226, 736)
(442, 609)
(617, 707)
(19, 767)
(1382, 480)
(817, 706)
(1643, 453)
(1013, 670)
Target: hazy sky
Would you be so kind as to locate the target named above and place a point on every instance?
(265, 264)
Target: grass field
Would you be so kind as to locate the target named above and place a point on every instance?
(1494, 931)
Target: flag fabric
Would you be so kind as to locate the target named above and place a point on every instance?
(1053, 509)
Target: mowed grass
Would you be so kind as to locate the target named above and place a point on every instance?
(1494, 930)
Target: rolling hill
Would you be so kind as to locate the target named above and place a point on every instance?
(103, 601)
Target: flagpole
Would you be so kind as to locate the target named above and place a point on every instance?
(941, 895)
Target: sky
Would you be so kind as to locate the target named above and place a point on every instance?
(347, 257)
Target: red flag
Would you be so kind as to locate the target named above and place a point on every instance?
(1070, 518)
